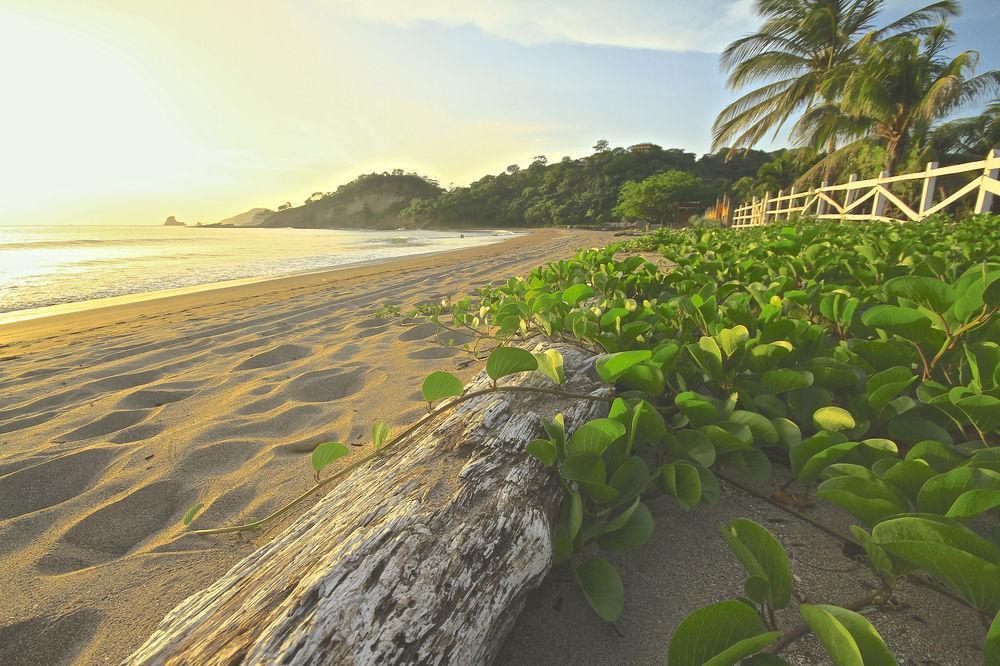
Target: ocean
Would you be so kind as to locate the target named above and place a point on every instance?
(46, 266)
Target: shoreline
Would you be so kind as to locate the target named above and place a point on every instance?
(58, 309)
(93, 312)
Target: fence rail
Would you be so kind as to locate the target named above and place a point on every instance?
(872, 198)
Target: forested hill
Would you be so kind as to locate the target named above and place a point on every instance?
(371, 201)
(573, 191)
(569, 192)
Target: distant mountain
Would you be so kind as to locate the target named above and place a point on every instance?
(252, 218)
(371, 201)
(173, 222)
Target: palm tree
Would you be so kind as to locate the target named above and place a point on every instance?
(798, 46)
(902, 85)
(965, 139)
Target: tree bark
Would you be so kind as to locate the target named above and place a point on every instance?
(422, 556)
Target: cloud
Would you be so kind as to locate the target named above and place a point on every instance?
(665, 25)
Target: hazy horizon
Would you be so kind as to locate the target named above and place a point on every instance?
(204, 111)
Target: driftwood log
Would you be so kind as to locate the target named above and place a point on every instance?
(422, 555)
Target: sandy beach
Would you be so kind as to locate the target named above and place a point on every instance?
(113, 421)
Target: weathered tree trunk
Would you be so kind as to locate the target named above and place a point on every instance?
(423, 555)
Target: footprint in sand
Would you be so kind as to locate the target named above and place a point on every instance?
(419, 332)
(262, 405)
(121, 382)
(434, 352)
(52, 482)
(27, 422)
(44, 640)
(241, 346)
(345, 352)
(149, 398)
(327, 385)
(107, 424)
(370, 327)
(278, 355)
(115, 528)
(138, 433)
(213, 459)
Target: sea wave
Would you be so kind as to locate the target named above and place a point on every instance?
(88, 242)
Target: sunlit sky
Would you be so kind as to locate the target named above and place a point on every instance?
(127, 112)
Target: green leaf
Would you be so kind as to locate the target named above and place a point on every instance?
(562, 546)
(878, 559)
(914, 429)
(904, 322)
(551, 363)
(441, 384)
(763, 430)
(644, 377)
(683, 482)
(543, 449)
(942, 491)
(612, 366)
(909, 476)
(380, 434)
(764, 558)
(953, 554)
(192, 512)
(982, 410)
(699, 411)
(326, 453)
(782, 379)
(577, 293)
(886, 385)
(603, 588)
(848, 637)
(719, 635)
(868, 499)
(927, 291)
(631, 477)
(504, 361)
(708, 356)
(833, 419)
(991, 651)
(972, 503)
(731, 339)
(633, 533)
(594, 436)
(575, 515)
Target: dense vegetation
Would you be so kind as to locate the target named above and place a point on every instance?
(862, 357)
(576, 191)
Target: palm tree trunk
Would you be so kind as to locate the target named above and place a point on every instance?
(831, 146)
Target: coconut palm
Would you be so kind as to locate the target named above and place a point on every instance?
(965, 139)
(794, 52)
(902, 85)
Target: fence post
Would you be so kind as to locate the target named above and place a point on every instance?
(984, 202)
(820, 201)
(778, 205)
(878, 203)
(764, 206)
(851, 194)
(927, 193)
(791, 203)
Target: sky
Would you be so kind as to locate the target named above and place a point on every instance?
(121, 112)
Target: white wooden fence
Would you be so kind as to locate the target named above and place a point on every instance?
(872, 199)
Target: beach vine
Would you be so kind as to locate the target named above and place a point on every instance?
(862, 357)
